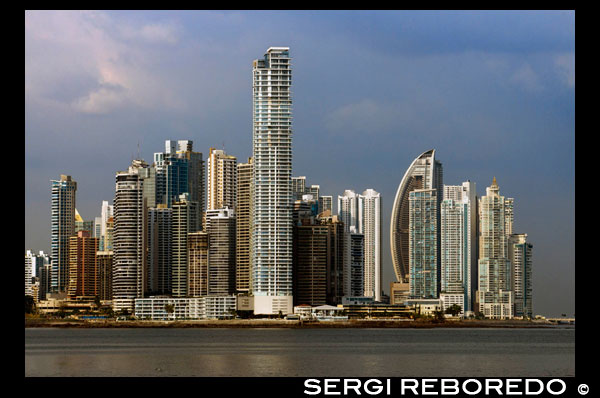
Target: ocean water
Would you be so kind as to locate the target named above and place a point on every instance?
(218, 352)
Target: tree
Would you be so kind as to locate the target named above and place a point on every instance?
(170, 308)
(29, 305)
(454, 309)
(438, 316)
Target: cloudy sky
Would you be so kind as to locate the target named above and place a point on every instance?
(491, 91)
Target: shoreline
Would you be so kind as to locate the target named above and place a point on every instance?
(279, 323)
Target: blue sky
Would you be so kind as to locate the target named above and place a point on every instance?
(491, 91)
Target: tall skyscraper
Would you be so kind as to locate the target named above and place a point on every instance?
(129, 239)
(369, 219)
(104, 261)
(83, 268)
(459, 242)
(243, 226)
(29, 264)
(185, 221)
(160, 223)
(347, 209)
(495, 285)
(222, 180)
(197, 264)
(425, 172)
(63, 227)
(221, 252)
(423, 247)
(520, 254)
(272, 154)
(179, 170)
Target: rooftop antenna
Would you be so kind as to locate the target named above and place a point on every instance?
(138, 152)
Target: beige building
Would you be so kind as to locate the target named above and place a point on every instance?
(222, 180)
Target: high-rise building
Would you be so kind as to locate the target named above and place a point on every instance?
(129, 245)
(495, 285)
(357, 263)
(159, 237)
(221, 252)
(83, 268)
(325, 203)
(82, 225)
(272, 157)
(29, 264)
(243, 226)
(423, 244)
(222, 180)
(197, 264)
(63, 227)
(106, 212)
(179, 170)
(310, 264)
(347, 209)
(369, 224)
(459, 239)
(185, 221)
(41, 264)
(298, 187)
(104, 260)
(425, 172)
(520, 254)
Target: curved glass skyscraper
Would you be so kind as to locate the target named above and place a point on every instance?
(425, 172)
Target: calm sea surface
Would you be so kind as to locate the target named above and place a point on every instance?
(300, 352)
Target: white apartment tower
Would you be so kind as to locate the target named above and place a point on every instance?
(495, 285)
(272, 154)
(129, 243)
(369, 218)
(458, 234)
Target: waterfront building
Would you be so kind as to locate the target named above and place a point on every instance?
(130, 243)
(310, 264)
(104, 260)
(83, 268)
(425, 172)
(243, 226)
(447, 300)
(424, 273)
(185, 221)
(520, 252)
(162, 308)
(221, 252)
(160, 233)
(62, 228)
(198, 264)
(458, 248)
(369, 219)
(42, 269)
(399, 292)
(222, 180)
(495, 285)
(108, 237)
(272, 157)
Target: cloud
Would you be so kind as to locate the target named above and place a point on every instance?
(565, 66)
(526, 78)
(366, 116)
(90, 61)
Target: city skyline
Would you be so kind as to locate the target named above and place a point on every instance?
(513, 157)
